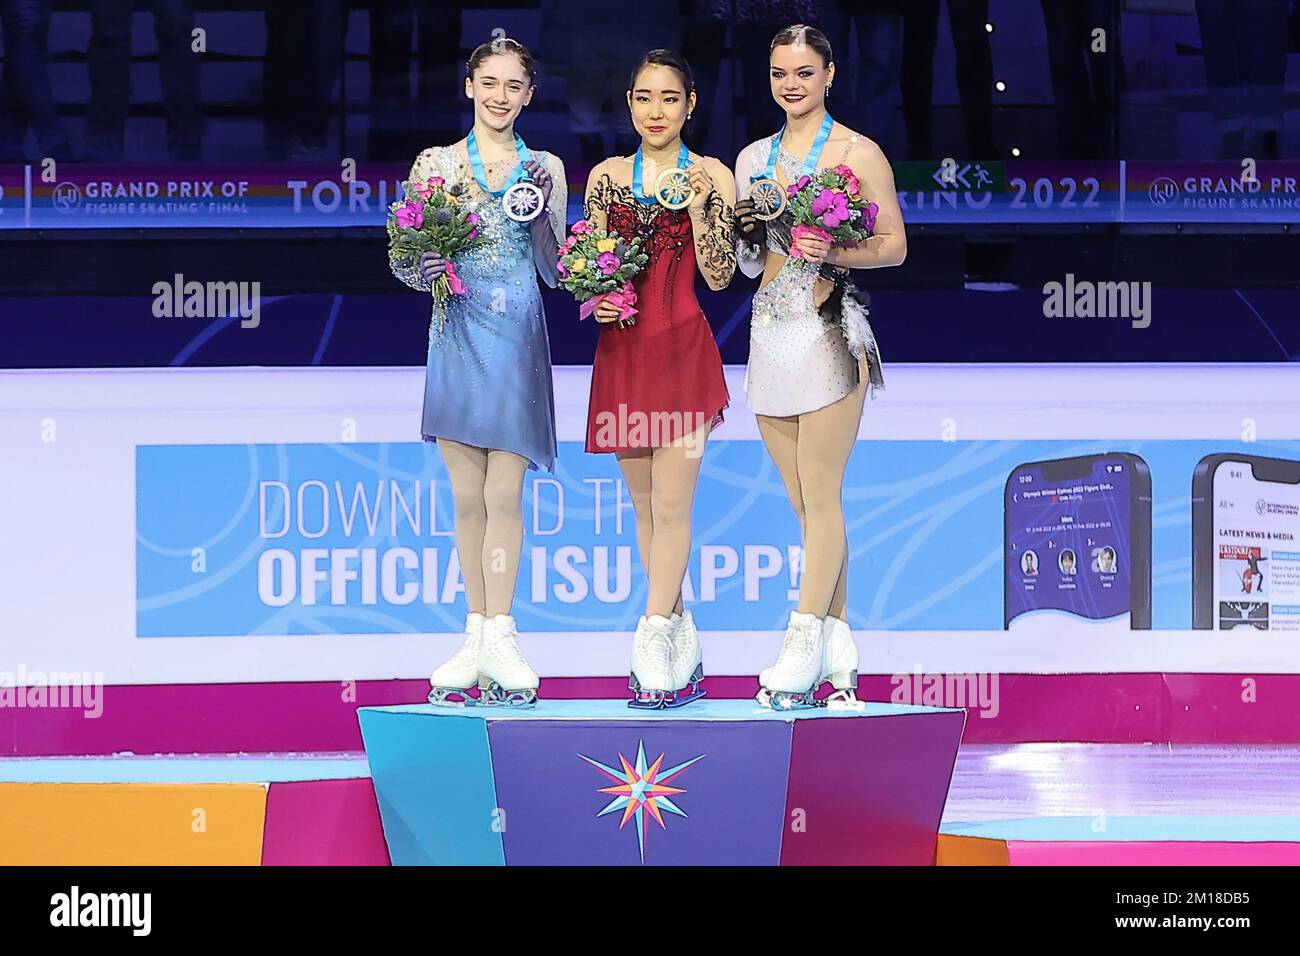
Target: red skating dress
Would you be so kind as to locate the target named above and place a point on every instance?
(661, 378)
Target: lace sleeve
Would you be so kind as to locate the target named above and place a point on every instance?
(558, 208)
(406, 268)
(750, 163)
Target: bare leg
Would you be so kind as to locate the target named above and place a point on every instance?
(674, 473)
(781, 438)
(504, 534)
(636, 476)
(467, 467)
(826, 439)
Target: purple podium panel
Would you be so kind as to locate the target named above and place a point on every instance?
(869, 792)
(627, 792)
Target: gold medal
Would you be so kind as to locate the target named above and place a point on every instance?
(768, 198)
(673, 188)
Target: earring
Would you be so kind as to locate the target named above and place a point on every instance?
(689, 115)
(828, 89)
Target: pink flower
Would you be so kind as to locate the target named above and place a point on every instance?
(473, 217)
(568, 245)
(581, 227)
(559, 267)
(608, 263)
(454, 282)
(427, 188)
(800, 231)
(844, 171)
(473, 236)
(410, 215)
(831, 207)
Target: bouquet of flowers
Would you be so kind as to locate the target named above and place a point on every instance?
(433, 218)
(597, 267)
(830, 206)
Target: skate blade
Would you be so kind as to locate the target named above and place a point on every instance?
(844, 703)
(844, 693)
(494, 695)
(643, 699)
(684, 697)
(785, 700)
(442, 697)
(691, 692)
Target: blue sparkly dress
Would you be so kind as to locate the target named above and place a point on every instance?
(488, 381)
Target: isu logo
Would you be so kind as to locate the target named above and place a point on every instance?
(66, 197)
(1163, 190)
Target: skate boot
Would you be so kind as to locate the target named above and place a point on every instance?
(688, 661)
(504, 675)
(795, 677)
(841, 666)
(652, 682)
(451, 682)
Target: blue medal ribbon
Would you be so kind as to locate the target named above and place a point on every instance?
(476, 164)
(814, 154)
(638, 190)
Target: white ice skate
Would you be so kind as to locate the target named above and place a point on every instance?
(652, 682)
(688, 660)
(452, 680)
(841, 666)
(797, 674)
(504, 675)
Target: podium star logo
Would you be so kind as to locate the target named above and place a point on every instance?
(641, 791)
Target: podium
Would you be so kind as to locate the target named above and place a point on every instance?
(592, 782)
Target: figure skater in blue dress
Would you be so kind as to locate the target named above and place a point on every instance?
(488, 399)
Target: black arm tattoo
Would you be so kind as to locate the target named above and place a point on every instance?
(715, 244)
(600, 197)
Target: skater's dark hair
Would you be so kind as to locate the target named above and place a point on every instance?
(501, 45)
(668, 58)
(800, 34)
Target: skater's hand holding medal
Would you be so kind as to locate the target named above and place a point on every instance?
(749, 225)
(598, 269)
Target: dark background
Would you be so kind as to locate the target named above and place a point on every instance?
(296, 82)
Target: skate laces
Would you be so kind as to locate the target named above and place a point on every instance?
(505, 650)
(800, 646)
(657, 647)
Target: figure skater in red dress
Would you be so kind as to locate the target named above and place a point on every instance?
(657, 387)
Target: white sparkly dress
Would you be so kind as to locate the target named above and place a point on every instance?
(801, 357)
(488, 381)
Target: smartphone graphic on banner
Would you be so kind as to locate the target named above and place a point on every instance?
(1077, 542)
(1246, 543)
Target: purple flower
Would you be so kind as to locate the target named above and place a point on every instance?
(410, 215)
(473, 217)
(831, 206)
(869, 217)
(443, 215)
(608, 263)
